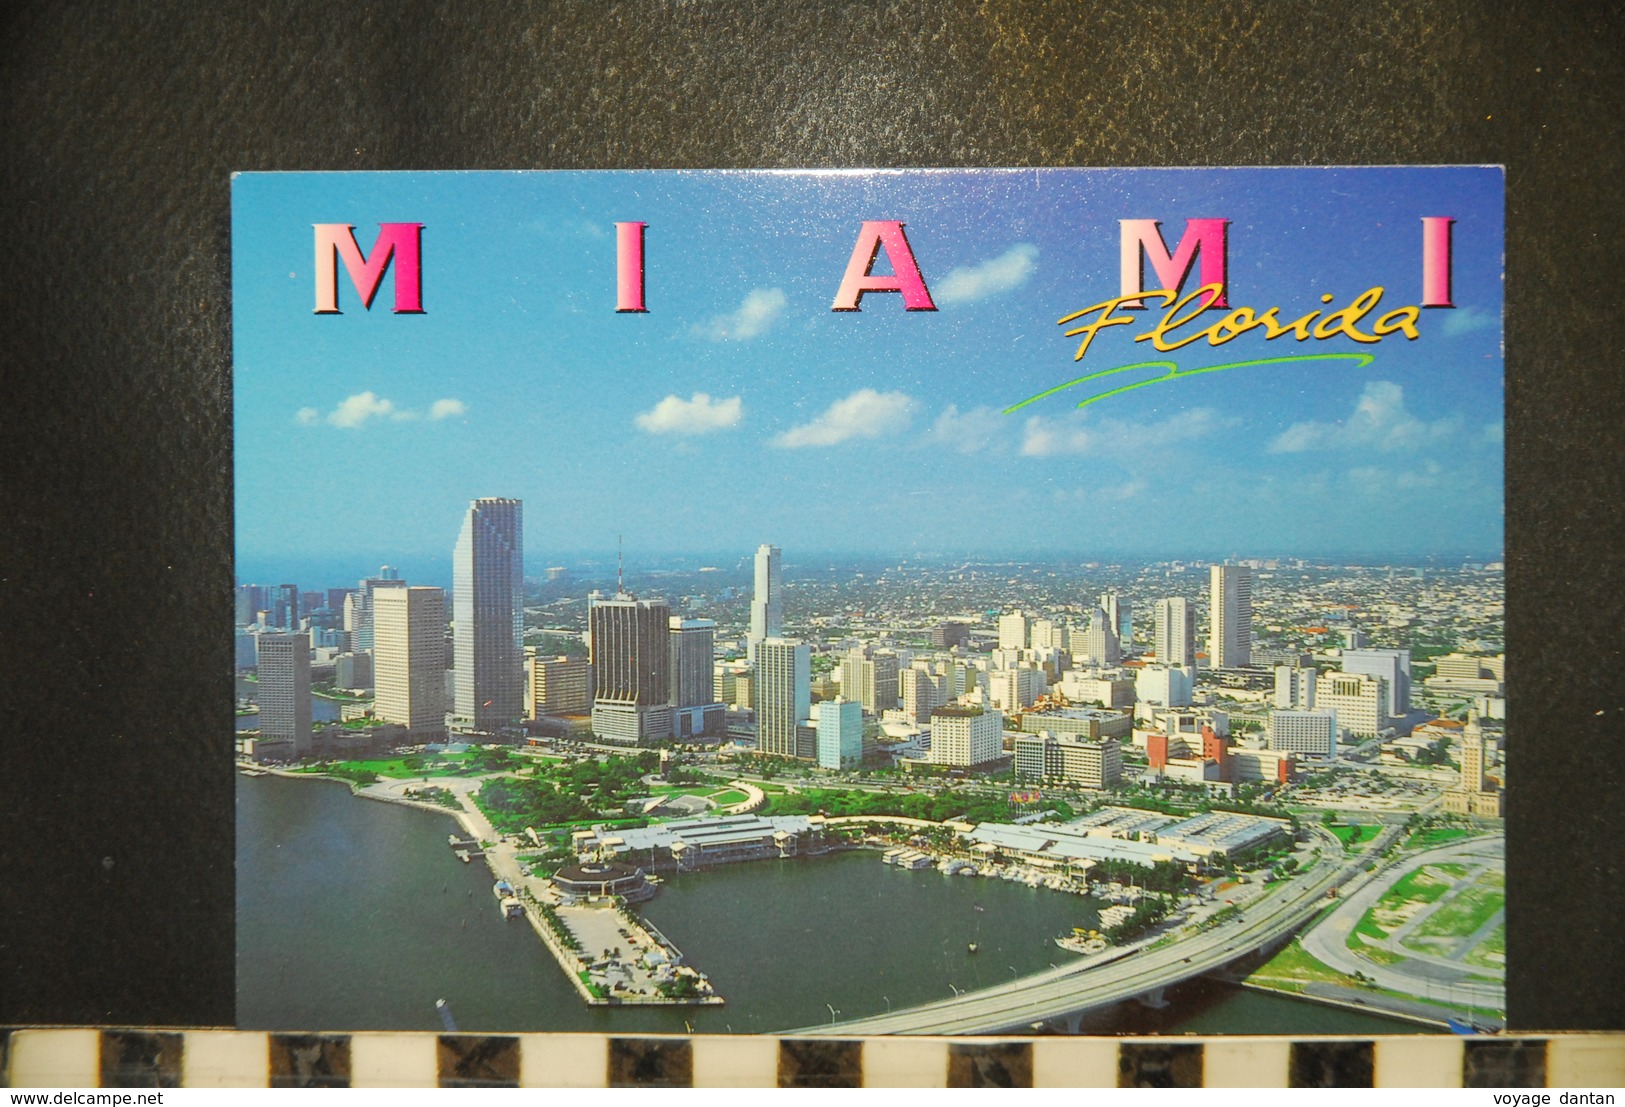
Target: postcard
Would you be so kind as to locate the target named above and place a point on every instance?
(871, 602)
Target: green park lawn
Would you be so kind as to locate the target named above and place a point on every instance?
(1491, 953)
(1368, 927)
(1292, 968)
(1464, 914)
(394, 767)
(1411, 893)
(1353, 835)
(1438, 836)
(1425, 884)
(727, 798)
(1376, 954)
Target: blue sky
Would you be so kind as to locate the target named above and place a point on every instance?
(740, 409)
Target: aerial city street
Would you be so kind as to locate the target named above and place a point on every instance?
(1283, 774)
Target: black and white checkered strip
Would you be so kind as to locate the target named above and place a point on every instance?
(228, 1058)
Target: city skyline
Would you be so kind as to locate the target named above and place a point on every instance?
(574, 366)
(745, 398)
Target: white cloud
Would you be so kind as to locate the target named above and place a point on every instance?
(1112, 438)
(363, 407)
(1379, 422)
(356, 410)
(970, 431)
(973, 282)
(700, 415)
(761, 307)
(864, 414)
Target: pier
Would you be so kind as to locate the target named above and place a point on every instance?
(616, 958)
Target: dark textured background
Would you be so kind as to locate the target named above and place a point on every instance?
(121, 125)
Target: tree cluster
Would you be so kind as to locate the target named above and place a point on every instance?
(1162, 876)
(1150, 911)
(916, 805)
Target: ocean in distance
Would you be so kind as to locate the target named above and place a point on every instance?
(354, 915)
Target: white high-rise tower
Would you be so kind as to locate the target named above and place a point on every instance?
(488, 615)
(1175, 640)
(784, 699)
(409, 659)
(767, 606)
(1230, 614)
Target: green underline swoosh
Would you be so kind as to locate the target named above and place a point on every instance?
(1175, 373)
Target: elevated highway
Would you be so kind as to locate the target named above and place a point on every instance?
(1061, 996)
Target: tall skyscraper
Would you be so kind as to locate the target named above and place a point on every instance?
(250, 602)
(285, 607)
(358, 620)
(1393, 666)
(1472, 755)
(1476, 794)
(284, 691)
(921, 691)
(1230, 614)
(488, 590)
(1175, 640)
(840, 734)
(869, 677)
(631, 668)
(784, 698)
(1100, 643)
(695, 707)
(1015, 630)
(1120, 613)
(1295, 687)
(880, 683)
(1356, 699)
(965, 736)
(558, 685)
(767, 606)
(1048, 634)
(409, 660)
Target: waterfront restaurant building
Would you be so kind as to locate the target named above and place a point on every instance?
(698, 843)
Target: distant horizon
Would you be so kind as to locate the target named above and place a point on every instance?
(342, 571)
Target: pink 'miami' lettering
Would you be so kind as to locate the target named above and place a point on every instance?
(397, 242)
(877, 235)
(1436, 261)
(629, 267)
(1142, 237)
